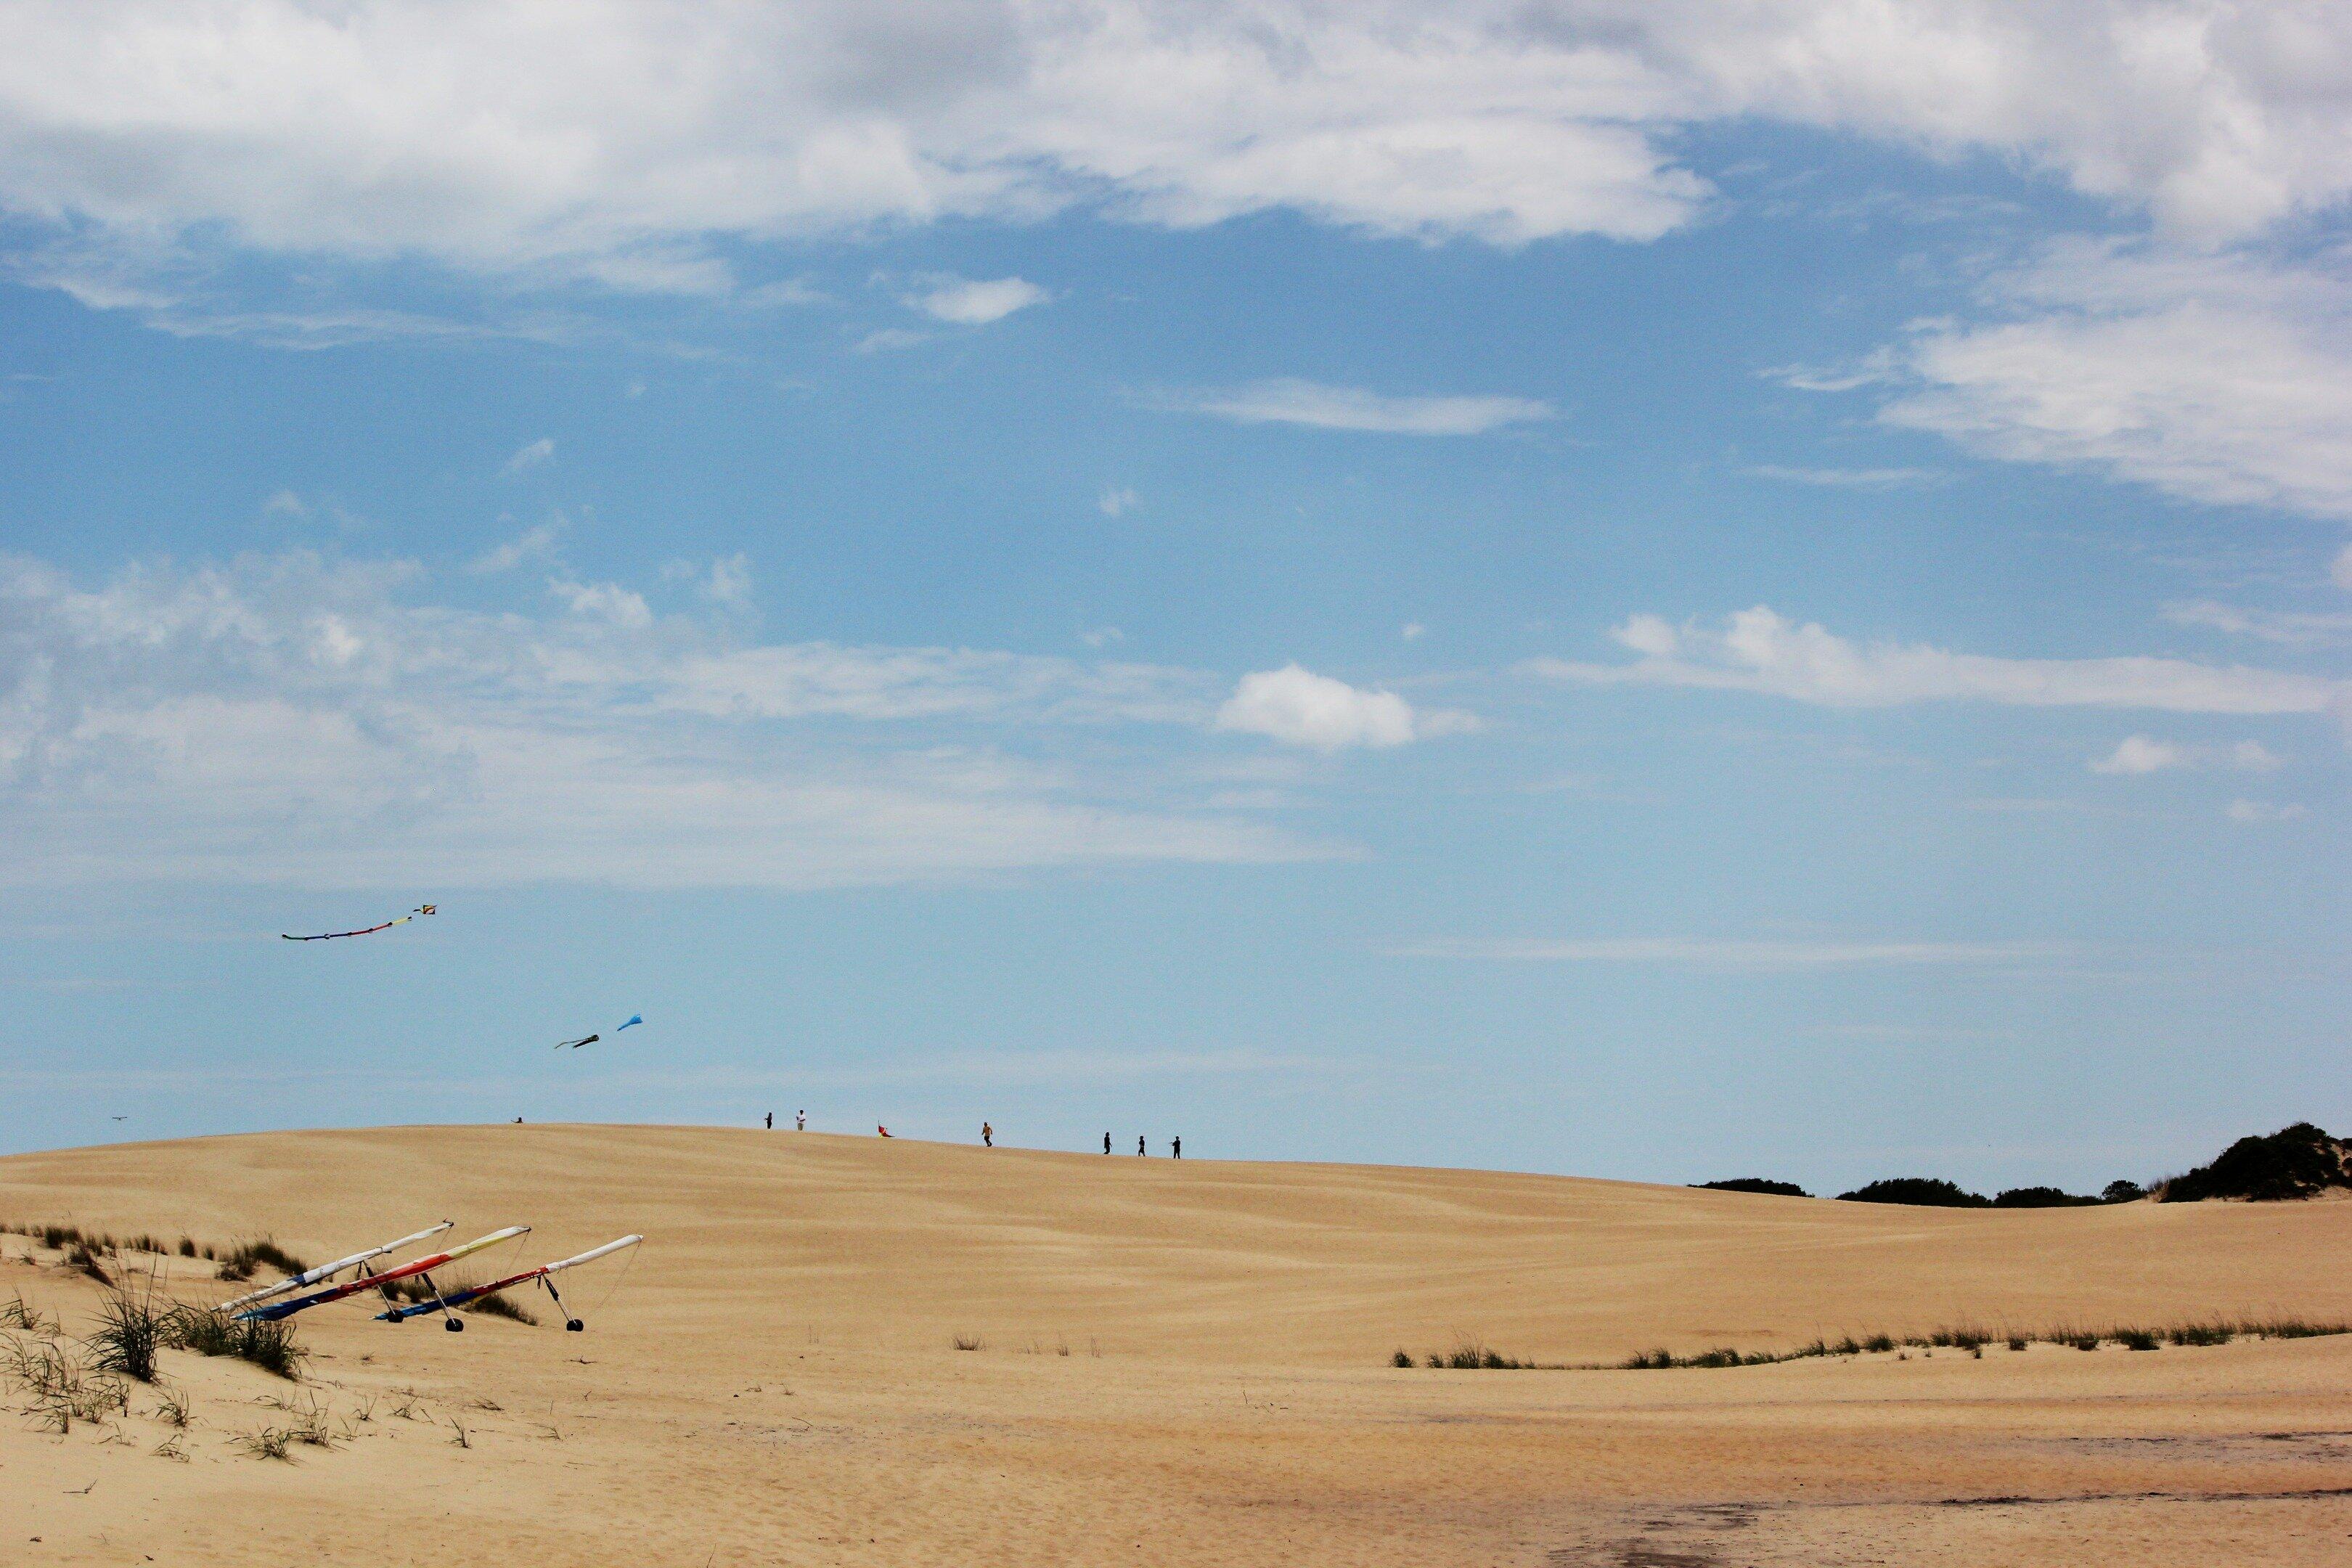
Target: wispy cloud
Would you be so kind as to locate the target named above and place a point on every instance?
(2287, 629)
(1731, 953)
(2217, 376)
(530, 454)
(969, 302)
(1759, 651)
(1289, 401)
(2136, 755)
(1848, 479)
(293, 719)
(534, 543)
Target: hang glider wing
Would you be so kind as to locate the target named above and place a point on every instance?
(270, 1311)
(543, 1274)
(328, 1270)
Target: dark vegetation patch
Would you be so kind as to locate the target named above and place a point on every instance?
(2042, 1198)
(131, 1330)
(1923, 1191)
(1969, 1340)
(2297, 1162)
(239, 1261)
(1972, 1341)
(1756, 1185)
(208, 1330)
(1469, 1355)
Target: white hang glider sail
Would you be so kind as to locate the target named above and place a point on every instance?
(328, 1270)
(544, 1275)
(270, 1311)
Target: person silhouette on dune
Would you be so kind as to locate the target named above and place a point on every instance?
(1105, 1143)
(1138, 1144)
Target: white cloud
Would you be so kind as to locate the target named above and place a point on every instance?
(729, 581)
(2216, 377)
(2250, 811)
(1300, 708)
(1115, 501)
(2288, 628)
(534, 543)
(606, 139)
(603, 601)
(289, 720)
(2139, 754)
(1412, 631)
(1760, 651)
(285, 503)
(1289, 401)
(969, 303)
(888, 340)
(530, 454)
(1846, 478)
(1716, 952)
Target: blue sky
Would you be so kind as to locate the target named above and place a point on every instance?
(1635, 592)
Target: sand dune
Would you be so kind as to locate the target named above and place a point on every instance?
(774, 1380)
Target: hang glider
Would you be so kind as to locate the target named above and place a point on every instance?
(543, 1274)
(363, 930)
(272, 1310)
(328, 1270)
(634, 1020)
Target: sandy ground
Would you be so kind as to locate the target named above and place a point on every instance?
(1184, 1363)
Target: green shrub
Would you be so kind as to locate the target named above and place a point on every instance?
(2042, 1198)
(1924, 1192)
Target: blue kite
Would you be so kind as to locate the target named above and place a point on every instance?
(634, 1020)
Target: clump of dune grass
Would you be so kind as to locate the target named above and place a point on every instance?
(966, 1342)
(502, 1306)
(1973, 1342)
(208, 1330)
(131, 1330)
(240, 1260)
(270, 1443)
(1469, 1355)
(172, 1408)
(15, 1314)
(60, 1386)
